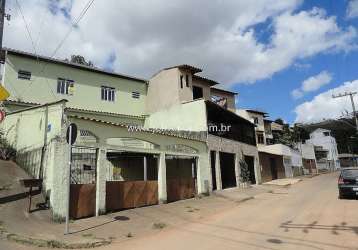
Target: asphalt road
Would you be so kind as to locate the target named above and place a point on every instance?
(308, 215)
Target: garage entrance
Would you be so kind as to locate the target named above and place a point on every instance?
(250, 161)
(181, 176)
(227, 167)
(132, 180)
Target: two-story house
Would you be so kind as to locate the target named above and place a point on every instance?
(170, 137)
(325, 148)
(116, 161)
(181, 100)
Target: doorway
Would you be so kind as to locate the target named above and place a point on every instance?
(250, 161)
(227, 167)
(213, 171)
(197, 92)
(273, 168)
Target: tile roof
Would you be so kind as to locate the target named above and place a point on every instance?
(75, 65)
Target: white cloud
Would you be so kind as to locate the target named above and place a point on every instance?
(352, 9)
(323, 106)
(218, 36)
(312, 83)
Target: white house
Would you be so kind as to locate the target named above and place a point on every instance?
(322, 138)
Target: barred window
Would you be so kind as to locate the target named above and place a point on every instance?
(22, 74)
(135, 95)
(108, 93)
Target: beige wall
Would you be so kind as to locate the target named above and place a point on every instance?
(205, 86)
(189, 116)
(163, 90)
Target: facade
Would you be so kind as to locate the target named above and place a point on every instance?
(308, 157)
(133, 134)
(230, 138)
(257, 118)
(325, 142)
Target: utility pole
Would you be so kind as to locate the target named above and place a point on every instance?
(3, 15)
(351, 94)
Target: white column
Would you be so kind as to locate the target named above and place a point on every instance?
(218, 171)
(145, 168)
(101, 182)
(237, 169)
(162, 179)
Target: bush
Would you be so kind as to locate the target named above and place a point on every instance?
(7, 151)
(244, 173)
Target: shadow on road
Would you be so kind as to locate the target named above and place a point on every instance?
(315, 226)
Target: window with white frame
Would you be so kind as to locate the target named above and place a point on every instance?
(65, 86)
(108, 94)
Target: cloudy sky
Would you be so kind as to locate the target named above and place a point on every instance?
(285, 57)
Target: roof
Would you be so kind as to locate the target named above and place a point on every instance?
(33, 104)
(256, 111)
(69, 64)
(38, 106)
(200, 78)
(268, 121)
(225, 91)
(186, 67)
(151, 131)
(105, 113)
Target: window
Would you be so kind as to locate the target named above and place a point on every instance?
(197, 92)
(135, 95)
(256, 120)
(108, 93)
(22, 74)
(260, 139)
(187, 80)
(326, 133)
(181, 81)
(65, 87)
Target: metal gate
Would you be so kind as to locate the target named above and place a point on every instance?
(83, 182)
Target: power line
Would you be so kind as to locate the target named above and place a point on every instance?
(27, 27)
(82, 14)
(351, 95)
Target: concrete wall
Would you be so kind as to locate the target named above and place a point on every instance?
(163, 90)
(189, 116)
(42, 88)
(219, 144)
(204, 85)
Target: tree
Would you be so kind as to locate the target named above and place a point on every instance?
(78, 59)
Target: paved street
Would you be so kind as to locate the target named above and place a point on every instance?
(306, 216)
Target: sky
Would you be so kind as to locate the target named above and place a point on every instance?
(284, 57)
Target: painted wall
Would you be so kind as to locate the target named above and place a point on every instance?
(42, 88)
(163, 90)
(317, 138)
(189, 116)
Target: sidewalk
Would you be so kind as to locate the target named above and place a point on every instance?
(37, 229)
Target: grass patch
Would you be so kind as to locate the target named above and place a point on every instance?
(159, 225)
(89, 235)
